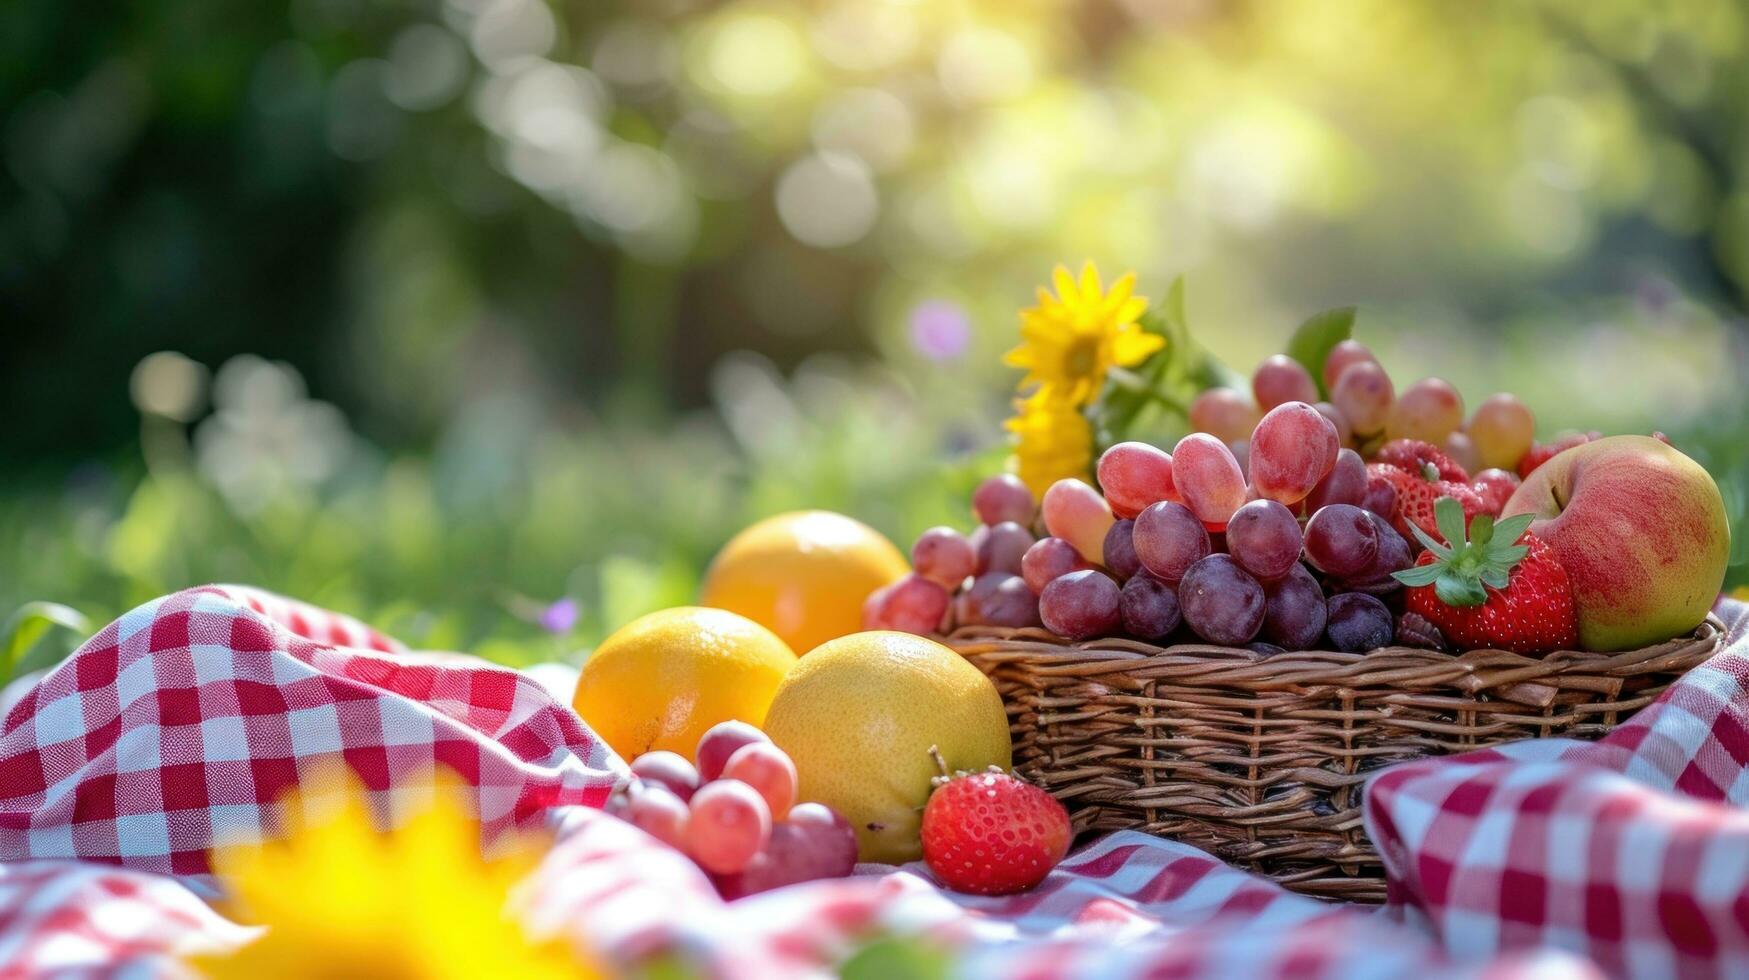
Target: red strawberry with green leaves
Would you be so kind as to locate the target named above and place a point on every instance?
(1414, 455)
(1418, 491)
(1496, 586)
(990, 833)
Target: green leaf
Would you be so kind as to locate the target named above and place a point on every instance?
(1493, 575)
(1508, 557)
(1481, 529)
(1437, 547)
(1312, 341)
(1456, 591)
(1449, 515)
(30, 623)
(1172, 307)
(1512, 528)
(1418, 576)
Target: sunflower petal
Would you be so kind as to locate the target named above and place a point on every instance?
(1090, 288)
(1133, 347)
(1065, 283)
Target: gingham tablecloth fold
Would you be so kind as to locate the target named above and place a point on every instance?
(179, 724)
(174, 727)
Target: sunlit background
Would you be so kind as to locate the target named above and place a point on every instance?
(490, 320)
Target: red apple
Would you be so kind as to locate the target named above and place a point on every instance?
(1640, 529)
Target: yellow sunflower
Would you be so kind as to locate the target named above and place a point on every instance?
(1069, 341)
(338, 899)
(1052, 440)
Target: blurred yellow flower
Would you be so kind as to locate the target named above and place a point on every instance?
(1069, 341)
(1741, 592)
(339, 899)
(1052, 440)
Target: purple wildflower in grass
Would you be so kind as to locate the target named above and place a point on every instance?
(560, 617)
(940, 329)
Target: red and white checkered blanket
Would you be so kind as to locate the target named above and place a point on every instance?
(174, 727)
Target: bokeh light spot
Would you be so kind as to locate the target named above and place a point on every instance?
(169, 384)
(872, 124)
(754, 55)
(827, 200)
(983, 64)
(427, 67)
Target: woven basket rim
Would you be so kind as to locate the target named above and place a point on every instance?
(1221, 664)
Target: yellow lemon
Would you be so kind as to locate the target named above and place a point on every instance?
(803, 575)
(859, 715)
(665, 678)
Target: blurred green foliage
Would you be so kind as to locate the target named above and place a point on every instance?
(515, 246)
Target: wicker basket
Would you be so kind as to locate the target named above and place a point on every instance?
(1261, 759)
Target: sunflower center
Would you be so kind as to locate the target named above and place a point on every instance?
(1082, 356)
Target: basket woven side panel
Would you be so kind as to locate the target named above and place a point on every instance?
(1261, 760)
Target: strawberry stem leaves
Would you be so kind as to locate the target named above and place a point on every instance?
(1464, 566)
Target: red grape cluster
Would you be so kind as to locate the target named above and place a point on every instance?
(1368, 411)
(735, 813)
(1262, 528)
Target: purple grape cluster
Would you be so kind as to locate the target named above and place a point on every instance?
(1272, 577)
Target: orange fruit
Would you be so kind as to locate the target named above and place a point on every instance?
(858, 717)
(803, 575)
(663, 679)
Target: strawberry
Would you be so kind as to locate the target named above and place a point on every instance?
(1501, 589)
(1540, 453)
(989, 833)
(1496, 487)
(1414, 456)
(1417, 492)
